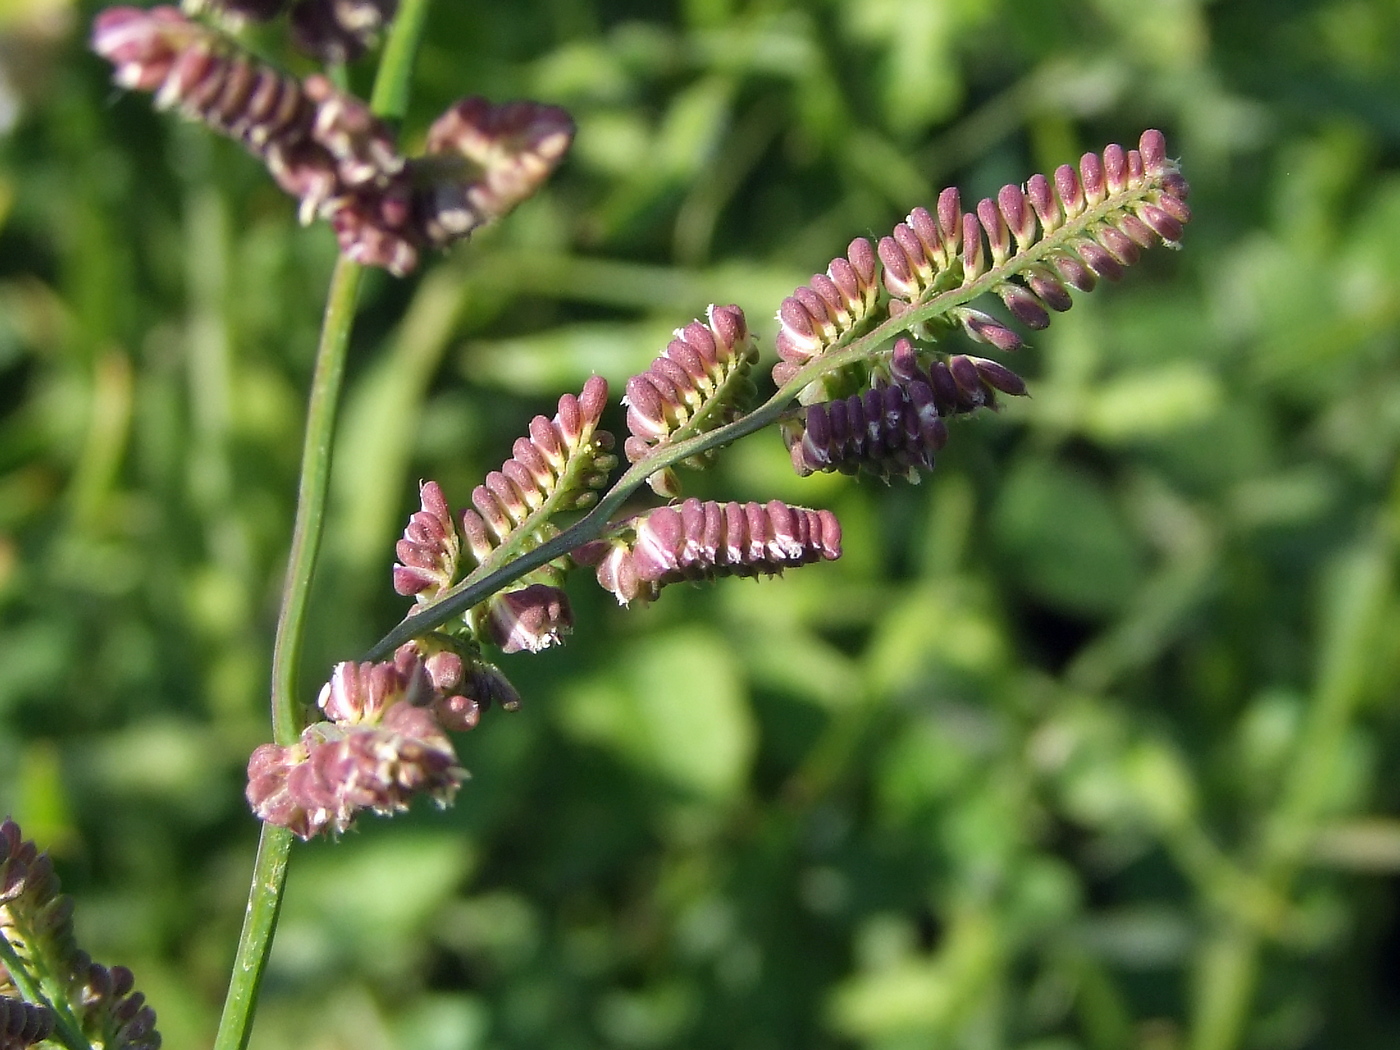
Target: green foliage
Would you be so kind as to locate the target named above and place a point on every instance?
(1088, 741)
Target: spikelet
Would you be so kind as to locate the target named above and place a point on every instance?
(701, 381)
(1030, 246)
(895, 428)
(705, 540)
(36, 921)
(430, 548)
(826, 312)
(558, 467)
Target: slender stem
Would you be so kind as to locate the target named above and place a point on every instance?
(255, 944)
(270, 868)
(311, 497)
(390, 99)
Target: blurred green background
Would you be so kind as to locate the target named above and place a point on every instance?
(1091, 740)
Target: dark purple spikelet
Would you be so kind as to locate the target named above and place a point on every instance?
(430, 548)
(23, 1024)
(960, 383)
(1048, 236)
(339, 30)
(827, 309)
(701, 381)
(563, 462)
(37, 922)
(704, 540)
(892, 429)
(482, 160)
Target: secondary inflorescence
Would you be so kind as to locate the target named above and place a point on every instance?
(699, 382)
(36, 920)
(328, 150)
(382, 741)
(706, 540)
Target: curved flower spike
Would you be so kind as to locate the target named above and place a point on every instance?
(700, 382)
(697, 541)
(430, 547)
(557, 467)
(828, 310)
(37, 921)
(1031, 244)
(23, 1024)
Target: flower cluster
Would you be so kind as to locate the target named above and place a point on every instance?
(1030, 245)
(705, 540)
(37, 922)
(882, 407)
(23, 1024)
(383, 740)
(327, 149)
(699, 382)
(895, 427)
(827, 311)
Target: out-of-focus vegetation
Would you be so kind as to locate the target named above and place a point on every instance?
(1089, 741)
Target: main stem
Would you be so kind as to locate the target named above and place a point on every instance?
(389, 101)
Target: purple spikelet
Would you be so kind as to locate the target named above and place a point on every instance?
(892, 429)
(703, 540)
(701, 381)
(826, 310)
(563, 461)
(37, 922)
(1033, 243)
(430, 547)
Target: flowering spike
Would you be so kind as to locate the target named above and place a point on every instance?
(1092, 222)
(892, 429)
(23, 1024)
(700, 382)
(429, 549)
(833, 308)
(567, 456)
(695, 541)
(36, 921)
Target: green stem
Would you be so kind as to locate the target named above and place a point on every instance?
(287, 721)
(389, 100)
(390, 97)
(255, 943)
